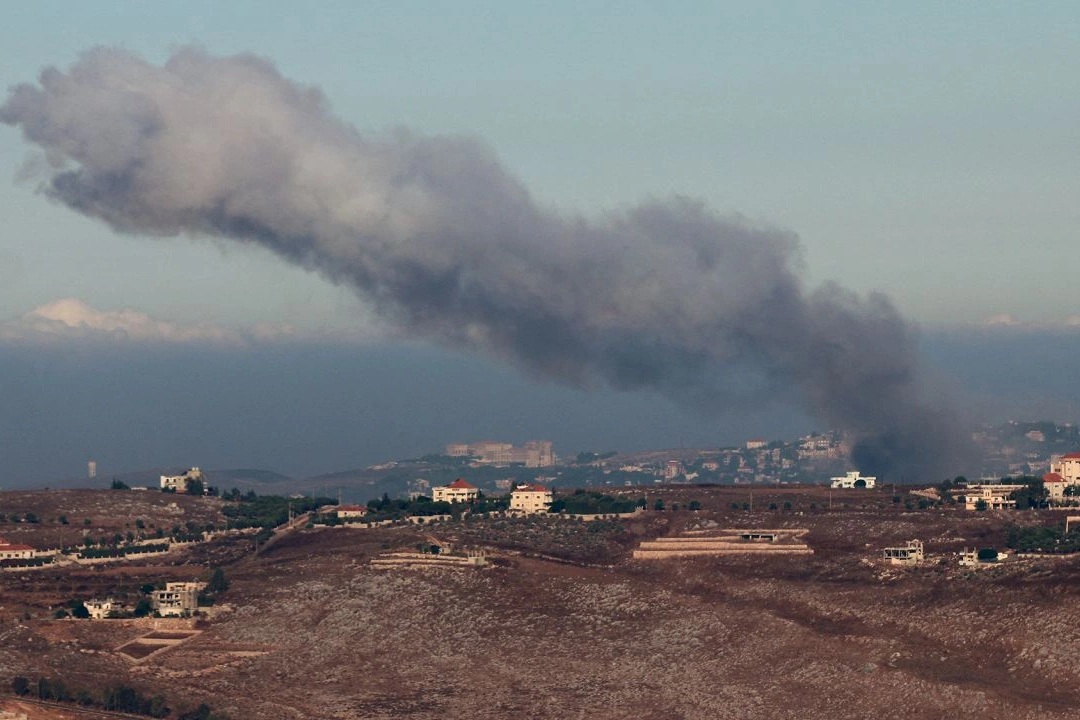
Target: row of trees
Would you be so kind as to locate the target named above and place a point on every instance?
(594, 503)
(268, 511)
(116, 698)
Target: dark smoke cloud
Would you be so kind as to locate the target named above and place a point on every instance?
(443, 242)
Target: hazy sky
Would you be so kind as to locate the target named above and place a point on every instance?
(922, 149)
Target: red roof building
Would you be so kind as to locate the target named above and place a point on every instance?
(15, 551)
(458, 491)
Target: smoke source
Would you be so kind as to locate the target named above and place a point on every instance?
(444, 243)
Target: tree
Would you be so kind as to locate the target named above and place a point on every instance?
(119, 485)
(143, 608)
(63, 519)
(981, 505)
(694, 505)
(658, 505)
(79, 610)
(1032, 495)
(218, 583)
(987, 555)
(20, 685)
(194, 487)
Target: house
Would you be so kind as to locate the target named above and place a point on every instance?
(854, 480)
(996, 496)
(179, 483)
(1064, 474)
(531, 499)
(458, 491)
(1068, 467)
(177, 599)
(345, 512)
(101, 609)
(909, 554)
(15, 551)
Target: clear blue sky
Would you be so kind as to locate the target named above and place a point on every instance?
(924, 149)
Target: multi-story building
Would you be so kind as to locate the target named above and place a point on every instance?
(538, 453)
(178, 483)
(177, 599)
(534, 454)
(458, 491)
(1067, 467)
(996, 496)
(909, 554)
(531, 499)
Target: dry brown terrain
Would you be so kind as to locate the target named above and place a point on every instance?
(562, 625)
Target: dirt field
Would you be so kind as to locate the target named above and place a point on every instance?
(561, 624)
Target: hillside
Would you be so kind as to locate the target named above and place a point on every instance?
(562, 624)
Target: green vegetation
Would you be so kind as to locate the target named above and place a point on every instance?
(1043, 539)
(387, 508)
(115, 698)
(987, 555)
(594, 503)
(218, 583)
(115, 552)
(118, 485)
(1032, 495)
(267, 511)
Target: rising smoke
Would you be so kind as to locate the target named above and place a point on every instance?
(443, 242)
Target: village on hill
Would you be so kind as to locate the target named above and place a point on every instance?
(134, 598)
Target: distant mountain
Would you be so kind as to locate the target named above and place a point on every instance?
(246, 476)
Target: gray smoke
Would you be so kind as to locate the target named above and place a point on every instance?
(442, 241)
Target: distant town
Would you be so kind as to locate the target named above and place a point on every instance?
(1012, 449)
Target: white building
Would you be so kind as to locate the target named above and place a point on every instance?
(1068, 467)
(178, 483)
(15, 551)
(458, 491)
(531, 499)
(997, 496)
(854, 480)
(345, 512)
(100, 609)
(177, 599)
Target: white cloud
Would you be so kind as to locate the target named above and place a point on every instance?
(1001, 319)
(73, 318)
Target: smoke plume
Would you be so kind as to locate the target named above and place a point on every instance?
(443, 242)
